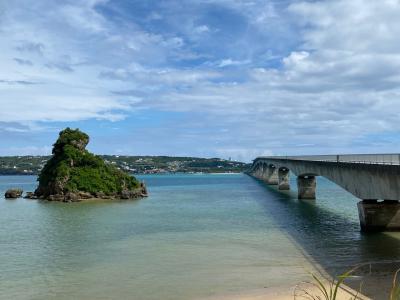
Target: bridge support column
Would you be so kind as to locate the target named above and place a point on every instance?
(379, 216)
(257, 172)
(306, 186)
(264, 172)
(272, 175)
(283, 177)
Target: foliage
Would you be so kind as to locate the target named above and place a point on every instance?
(395, 292)
(70, 137)
(134, 164)
(72, 168)
(330, 291)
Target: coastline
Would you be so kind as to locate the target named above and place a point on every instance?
(287, 293)
(139, 174)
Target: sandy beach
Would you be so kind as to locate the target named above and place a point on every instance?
(288, 293)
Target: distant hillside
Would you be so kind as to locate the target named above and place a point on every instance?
(31, 165)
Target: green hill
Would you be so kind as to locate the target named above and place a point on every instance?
(32, 165)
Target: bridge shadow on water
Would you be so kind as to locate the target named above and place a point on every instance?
(333, 241)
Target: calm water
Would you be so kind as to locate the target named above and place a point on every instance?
(196, 236)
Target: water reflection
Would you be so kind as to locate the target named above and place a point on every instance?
(332, 240)
(196, 233)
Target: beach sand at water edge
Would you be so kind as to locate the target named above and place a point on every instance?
(287, 293)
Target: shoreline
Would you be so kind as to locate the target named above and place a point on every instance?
(287, 293)
(159, 173)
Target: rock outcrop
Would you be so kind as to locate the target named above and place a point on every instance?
(74, 174)
(13, 193)
(30, 195)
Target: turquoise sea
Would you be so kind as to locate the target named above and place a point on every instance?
(196, 236)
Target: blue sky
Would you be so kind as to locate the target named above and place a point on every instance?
(211, 78)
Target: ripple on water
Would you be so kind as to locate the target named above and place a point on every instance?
(195, 236)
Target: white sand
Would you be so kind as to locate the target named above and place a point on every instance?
(281, 293)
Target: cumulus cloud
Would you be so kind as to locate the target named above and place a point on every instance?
(278, 77)
(53, 42)
(340, 86)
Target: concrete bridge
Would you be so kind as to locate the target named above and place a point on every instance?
(373, 178)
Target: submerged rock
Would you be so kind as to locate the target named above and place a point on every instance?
(74, 174)
(143, 190)
(13, 193)
(30, 195)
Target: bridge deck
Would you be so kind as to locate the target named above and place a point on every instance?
(381, 159)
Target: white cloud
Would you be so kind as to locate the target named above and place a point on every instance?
(335, 89)
(154, 16)
(295, 59)
(56, 74)
(201, 29)
(341, 88)
(242, 154)
(230, 62)
(84, 17)
(28, 150)
(162, 78)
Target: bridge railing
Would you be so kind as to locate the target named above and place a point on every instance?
(385, 159)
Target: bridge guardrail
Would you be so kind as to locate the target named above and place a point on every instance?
(381, 159)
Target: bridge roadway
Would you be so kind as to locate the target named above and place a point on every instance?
(373, 178)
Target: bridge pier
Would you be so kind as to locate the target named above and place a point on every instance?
(283, 179)
(264, 172)
(379, 216)
(272, 177)
(255, 173)
(368, 177)
(306, 186)
(258, 173)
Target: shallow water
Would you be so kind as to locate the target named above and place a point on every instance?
(195, 236)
